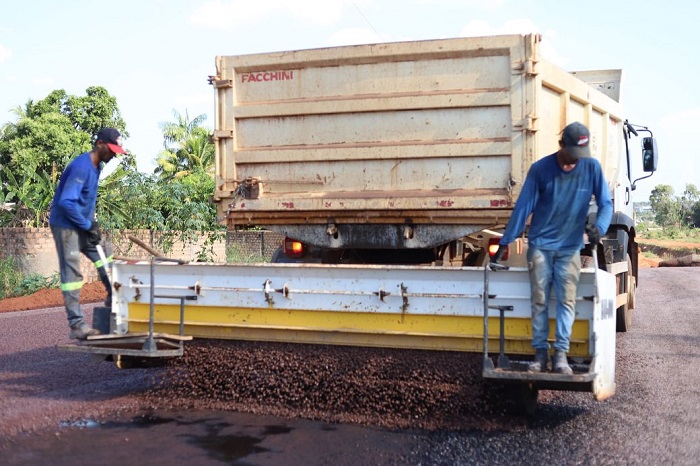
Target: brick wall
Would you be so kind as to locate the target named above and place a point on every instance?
(35, 251)
(33, 248)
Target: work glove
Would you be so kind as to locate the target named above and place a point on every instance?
(93, 235)
(494, 264)
(593, 234)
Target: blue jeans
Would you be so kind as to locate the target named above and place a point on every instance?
(559, 270)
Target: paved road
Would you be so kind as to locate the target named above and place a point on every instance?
(654, 417)
(47, 415)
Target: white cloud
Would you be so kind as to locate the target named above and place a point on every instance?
(5, 53)
(220, 14)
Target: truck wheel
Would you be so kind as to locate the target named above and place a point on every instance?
(624, 312)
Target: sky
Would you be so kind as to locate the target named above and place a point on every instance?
(155, 56)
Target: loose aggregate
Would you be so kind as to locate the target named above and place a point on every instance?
(373, 386)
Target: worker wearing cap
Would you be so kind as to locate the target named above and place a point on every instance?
(557, 192)
(74, 228)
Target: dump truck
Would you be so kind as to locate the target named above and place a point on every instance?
(390, 169)
(411, 152)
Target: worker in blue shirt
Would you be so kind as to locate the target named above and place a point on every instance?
(74, 228)
(557, 192)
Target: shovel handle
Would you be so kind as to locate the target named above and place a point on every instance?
(154, 253)
(149, 249)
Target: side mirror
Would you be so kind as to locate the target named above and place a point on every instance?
(649, 154)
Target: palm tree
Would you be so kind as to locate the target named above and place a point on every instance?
(187, 147)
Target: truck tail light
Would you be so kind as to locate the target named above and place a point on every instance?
(493, 247)
(293, 248)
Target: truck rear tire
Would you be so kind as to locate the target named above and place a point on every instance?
(628, 285)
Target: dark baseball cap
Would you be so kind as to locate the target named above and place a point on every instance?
(575, 138)
(112, 138)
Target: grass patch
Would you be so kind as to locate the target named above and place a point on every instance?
(10, 277)
(34, 282)
(238, 255)
(689, 235)
(13, 282)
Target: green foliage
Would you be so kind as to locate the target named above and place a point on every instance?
(10, 277)
(666, 208)
(178, 209)
(34, 282)
(675, 212)
(33, 191)
(94, 111)
(36, 148)
(175, 201)
(188, 147)
(40, 142)
(686, 234)
(14, 283)
(690, 205)
(50, 132)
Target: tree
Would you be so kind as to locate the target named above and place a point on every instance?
(187, 147)
(35, 149)
(667, 209)
(33, 192)
(178, 208)
(50, 132)
(689, 205)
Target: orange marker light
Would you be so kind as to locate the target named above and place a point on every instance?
(293, 248)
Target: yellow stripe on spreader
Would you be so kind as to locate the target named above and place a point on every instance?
(449, 333)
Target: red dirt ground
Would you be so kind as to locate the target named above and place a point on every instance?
(91, 293)
(645, 262)
(664, 249)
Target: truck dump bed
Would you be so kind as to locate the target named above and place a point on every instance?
(433, 133)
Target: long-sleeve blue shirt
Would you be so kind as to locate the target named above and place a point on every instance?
(558, 201)
(74, 202)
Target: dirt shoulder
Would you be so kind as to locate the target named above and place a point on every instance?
(664, 249)
(93, 292)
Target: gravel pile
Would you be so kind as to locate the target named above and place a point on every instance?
(389, 388)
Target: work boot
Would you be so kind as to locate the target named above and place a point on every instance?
(540, 362)
(559, 363)
(82, 332)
